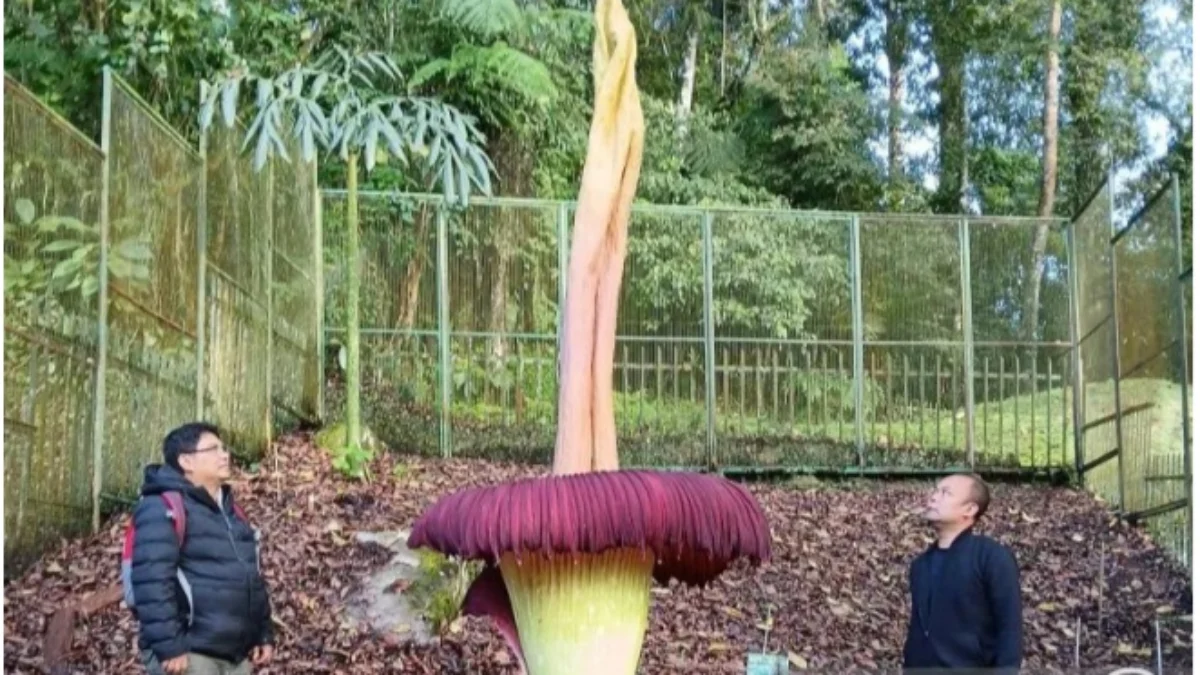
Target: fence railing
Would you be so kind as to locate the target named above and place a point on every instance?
(141, 276)
(747, 339)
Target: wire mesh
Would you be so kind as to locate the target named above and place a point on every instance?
(151, 371)
(783, 352)
(503, 302)
(295, 314)
(659, 375)
(398, 317)
(1092, 234)
(1022, 384)
(239, 211)
(1152, 370)
(51, 255)
(54, 180)
(914, 369)
(784, 356)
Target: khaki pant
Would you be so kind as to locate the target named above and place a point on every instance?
(199, 664)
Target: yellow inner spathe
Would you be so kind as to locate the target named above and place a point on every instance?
(580, 614)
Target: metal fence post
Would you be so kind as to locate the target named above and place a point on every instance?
(1115, 323)
(710, 344)
(201, 274)
(443, 311)
(269, 273)
(99, 414)
(856, 312)
(318, 235)
(1181, 338)
(1076, 350)
(964, 255)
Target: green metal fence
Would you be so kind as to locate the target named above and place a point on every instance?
(141, 274)
(752, 340)
(1135, 318)
(747, 339)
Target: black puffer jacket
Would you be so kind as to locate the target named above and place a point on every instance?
(207, 596)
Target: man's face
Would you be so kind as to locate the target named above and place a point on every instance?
(208, 463)
(951, 502)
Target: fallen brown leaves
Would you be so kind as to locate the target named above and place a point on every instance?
(834, 596)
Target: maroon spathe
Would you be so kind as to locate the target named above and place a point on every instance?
(696, 524)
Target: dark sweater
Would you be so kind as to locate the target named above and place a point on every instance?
(966, 607)
(207, 597)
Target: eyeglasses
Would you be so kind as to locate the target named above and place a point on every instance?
(220, 447)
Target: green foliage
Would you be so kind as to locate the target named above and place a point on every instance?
(51, 270)
(339, 103)
(163, 48)
(497, 66)
(807, 125)
(440, 585)
(485, 18)
(352, 460)
(788, 101)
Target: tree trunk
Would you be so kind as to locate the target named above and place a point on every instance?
(896, 45)
(410, 293)
(1084, 70)
(498, 304)
(950, 54)
(353, 273)
(389, 14)
(724, 44)
(1033, 282)
(508, 151)
(687, 90)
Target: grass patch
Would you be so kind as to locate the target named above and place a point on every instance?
(1028, 430)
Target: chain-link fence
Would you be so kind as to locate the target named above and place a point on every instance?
(127, 264)
(746, 339)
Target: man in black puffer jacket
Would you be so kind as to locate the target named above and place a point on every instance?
(202, 607)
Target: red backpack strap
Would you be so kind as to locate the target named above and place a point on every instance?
(177, 512)
(237, 511)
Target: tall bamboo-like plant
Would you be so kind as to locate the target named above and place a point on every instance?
(345, 104)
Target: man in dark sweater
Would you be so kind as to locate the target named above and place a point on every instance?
(965, 588)
(202, 606)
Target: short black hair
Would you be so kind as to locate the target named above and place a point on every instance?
(981, 494)
(184, 439)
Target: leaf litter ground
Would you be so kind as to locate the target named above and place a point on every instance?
(835, 596)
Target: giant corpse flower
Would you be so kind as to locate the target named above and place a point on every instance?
(569, 557)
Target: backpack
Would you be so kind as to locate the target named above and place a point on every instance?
(173, 499)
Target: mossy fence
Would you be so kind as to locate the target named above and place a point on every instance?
(148, 281)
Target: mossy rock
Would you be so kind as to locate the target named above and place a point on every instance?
(332, 438)
(439, 586)
(417, 595)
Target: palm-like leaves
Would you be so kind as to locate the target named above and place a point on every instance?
(340, 103)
